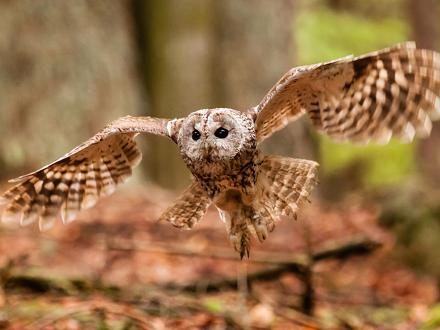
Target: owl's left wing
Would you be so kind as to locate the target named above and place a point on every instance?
(76, 180)
(394, 91)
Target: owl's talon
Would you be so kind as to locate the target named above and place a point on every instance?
(241, 244)
(244, 250)
(270, 226)
(261, 230)
(260, 227)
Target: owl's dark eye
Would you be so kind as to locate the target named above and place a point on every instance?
(221, 133)
(195, 135)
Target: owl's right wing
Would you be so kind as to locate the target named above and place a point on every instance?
(76, 180)
(394, 91)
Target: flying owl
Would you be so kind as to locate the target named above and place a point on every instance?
(392, 92)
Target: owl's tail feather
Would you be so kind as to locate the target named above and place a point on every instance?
(283, 185)
(189, 208)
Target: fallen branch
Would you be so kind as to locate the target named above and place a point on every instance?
(334, 250)
(296, 265)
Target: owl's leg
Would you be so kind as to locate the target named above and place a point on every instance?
(237, 229)
(189, 208)
(239, 234)
(244, 223)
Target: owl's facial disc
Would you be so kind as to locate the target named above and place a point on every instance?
(213, 135)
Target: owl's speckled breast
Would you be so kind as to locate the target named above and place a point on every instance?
(239, 174)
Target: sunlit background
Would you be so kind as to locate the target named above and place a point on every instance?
(67, 68)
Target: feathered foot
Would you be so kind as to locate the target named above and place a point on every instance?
(240, 236)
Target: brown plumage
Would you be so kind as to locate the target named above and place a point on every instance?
(392, 92)
(189, 208)
(287, 184)
(76, 180)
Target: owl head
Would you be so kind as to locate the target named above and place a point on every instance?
(214, 134)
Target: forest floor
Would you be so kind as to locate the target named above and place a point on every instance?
(116, 267)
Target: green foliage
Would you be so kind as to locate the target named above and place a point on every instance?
(213, 305)
(434, 318)
(386, 164)
(391, 316)
(417, 226)
(324, 34)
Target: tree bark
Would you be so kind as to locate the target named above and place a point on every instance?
(67, 68)
(174, 37)
(425, 28)
(423, 15)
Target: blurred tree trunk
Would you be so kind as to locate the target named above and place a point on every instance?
(253, 47)
(424, 20)
(61, 80)
(174, 36)
(426, 27)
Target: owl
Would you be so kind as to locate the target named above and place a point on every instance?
(391, 92)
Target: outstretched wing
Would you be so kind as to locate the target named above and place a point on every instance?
(394, 91)
(79, 178)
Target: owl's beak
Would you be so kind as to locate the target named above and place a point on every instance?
(207, 151)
